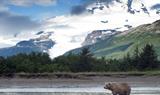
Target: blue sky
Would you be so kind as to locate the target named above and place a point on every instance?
(26, 15)
(61, 7)
(29, 15)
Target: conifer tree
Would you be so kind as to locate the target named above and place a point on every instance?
(148, 58)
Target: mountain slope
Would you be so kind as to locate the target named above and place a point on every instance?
(40, 44)
(104, 17)
(118, 45)
(70, 31)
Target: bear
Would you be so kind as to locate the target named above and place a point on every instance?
(118, 88)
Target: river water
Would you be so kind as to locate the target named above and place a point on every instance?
(92, 86)
(75, 91)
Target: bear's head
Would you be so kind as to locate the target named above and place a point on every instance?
(108, 86)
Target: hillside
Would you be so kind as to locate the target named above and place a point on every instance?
(42, 43)
(116, 46)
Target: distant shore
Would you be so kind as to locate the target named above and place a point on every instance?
(79, 75)
(83, 80)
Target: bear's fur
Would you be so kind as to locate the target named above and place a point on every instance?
(118, 88)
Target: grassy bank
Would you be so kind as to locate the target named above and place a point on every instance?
(80, 75)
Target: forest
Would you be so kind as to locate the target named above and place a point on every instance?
(141, 60)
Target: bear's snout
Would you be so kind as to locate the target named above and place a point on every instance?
(105, 87)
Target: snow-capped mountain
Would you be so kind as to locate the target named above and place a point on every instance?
(99, 35)
(100, 20)
(131, 6)
(117, 46)
(39, 44)
(71, 31)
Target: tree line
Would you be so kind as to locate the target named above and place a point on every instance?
(140, 60)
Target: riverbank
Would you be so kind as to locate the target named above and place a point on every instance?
(79, 75)
(89, 81)
(86, 85)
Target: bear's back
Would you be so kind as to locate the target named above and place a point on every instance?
(121, 87)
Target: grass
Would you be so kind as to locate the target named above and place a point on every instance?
(118, 46)
(139, 39)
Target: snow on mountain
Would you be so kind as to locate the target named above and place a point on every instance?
(98, 35)
(70, 31)
(41, 43)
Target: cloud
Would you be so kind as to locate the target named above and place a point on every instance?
(79, 9)
(156, 6)
(13, 24)
(2, 6)
(62, 27)
(89, 2)
(27, 2)
(32, 2)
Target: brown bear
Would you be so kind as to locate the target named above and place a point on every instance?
(118, 88)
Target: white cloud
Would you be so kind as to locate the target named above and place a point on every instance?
(3, 8)
(25, 3)
(32, 2)
(81, 25)
(12, 24)
(70, 31)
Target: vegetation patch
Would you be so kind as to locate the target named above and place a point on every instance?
(37, 65)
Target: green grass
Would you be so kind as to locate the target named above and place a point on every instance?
(139, 39)
(119, 45)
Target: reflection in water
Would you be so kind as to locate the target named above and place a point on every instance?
(92, 86)
(62, 93)
(75, 91)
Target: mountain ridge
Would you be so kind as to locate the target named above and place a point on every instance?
(119, 45)
(39, 44)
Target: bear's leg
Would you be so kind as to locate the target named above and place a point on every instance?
(127, 93)
(123, 93)
(114, 93)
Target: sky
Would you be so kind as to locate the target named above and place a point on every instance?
(37, 9)
(69, 19)
(41, 10)
(27, 14)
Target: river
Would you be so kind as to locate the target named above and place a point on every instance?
(92, 86)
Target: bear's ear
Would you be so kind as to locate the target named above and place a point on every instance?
(109, 84)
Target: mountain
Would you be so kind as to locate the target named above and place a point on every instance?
(39, 44)
(131, 7)
(116, 46)
(99, 35)
(99, 21)
(106, 18)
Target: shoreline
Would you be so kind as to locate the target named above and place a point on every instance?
(90, 81)
(87, 79)
(89, 85)
(80, 75)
